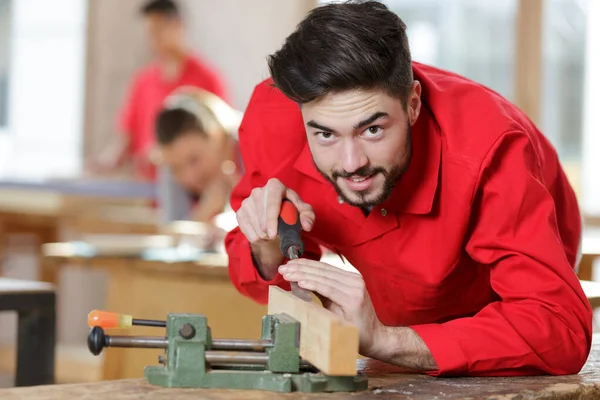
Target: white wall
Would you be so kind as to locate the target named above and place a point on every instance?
(46, 88)
(237, 36)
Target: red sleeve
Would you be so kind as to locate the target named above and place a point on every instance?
(259, 123)
(542, 321)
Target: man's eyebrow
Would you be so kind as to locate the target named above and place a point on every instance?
(361, 124)
(371, 119)
(316, 125)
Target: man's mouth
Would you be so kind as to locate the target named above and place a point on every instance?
(359, 183)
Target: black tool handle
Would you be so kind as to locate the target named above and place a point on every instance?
(97, 340)
(289, 228)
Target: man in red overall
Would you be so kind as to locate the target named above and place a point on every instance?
(443, 195)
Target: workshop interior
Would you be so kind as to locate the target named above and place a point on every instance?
(125, 258)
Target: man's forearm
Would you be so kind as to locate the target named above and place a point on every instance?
(267, 258)
(403, 347)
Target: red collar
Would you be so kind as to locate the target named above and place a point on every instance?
(415, 192)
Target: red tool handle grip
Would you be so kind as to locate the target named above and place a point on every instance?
(289, 228)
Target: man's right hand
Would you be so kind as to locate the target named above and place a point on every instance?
(257, 219)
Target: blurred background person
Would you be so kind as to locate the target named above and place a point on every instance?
(198, 152)
(175, 65)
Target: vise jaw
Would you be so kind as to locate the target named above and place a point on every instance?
(193, 360)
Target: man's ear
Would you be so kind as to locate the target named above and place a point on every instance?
(414, 103)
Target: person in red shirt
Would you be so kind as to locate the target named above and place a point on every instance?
(175, 66)
(196, 133)
(446, 198)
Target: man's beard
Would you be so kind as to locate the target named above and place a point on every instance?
(391, 178)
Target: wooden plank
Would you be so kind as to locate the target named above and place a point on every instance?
(326, 340)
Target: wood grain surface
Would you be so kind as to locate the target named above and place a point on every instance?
(386, 382)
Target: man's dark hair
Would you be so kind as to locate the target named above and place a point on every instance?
(343, 46)
(173, 123)
(167, 8)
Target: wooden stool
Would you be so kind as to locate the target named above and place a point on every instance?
(35, 303)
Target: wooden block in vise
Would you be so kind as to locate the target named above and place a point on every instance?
(326, 340)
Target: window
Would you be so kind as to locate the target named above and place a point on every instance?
(5, 29)
(46, 84)
(474, 38)
(477, 39)
(563, 76)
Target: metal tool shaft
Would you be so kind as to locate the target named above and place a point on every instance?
(154, 342)
(241, 358)
(148, 322)
(290, 243)
(241, 344)
(216, 357)
(147, 342)
(235, 357)
(293, 252)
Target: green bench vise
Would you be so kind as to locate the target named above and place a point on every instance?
(193, 359)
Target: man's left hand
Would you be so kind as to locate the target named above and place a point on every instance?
(341, 292)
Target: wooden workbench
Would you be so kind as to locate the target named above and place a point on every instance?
(152, 286)
(47, 211)
(385, 382)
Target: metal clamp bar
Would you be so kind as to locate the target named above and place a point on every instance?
(241, 344)
(162, 343)
(148, 342)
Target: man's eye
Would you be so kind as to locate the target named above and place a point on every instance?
(374, 130)
(325, 135)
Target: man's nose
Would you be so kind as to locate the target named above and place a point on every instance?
(353, 157)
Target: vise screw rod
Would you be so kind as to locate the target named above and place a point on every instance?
(220, 357)
(241, 357)
(162, 343)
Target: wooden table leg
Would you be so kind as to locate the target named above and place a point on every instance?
(36, 336)
(3, 244)
(36, 347)
(49, 270)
